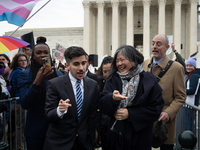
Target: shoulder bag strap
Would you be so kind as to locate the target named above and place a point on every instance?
(164, 70)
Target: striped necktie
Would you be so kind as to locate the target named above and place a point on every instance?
(79, 98)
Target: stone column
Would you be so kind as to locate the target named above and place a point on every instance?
(193, 26)
(87, 27)
(161, 17)
(130, 23)
(187, 43)
(146, 28)
(177, 24)
(101, 30)
(115, 26)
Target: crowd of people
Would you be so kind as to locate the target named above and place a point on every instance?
(70, 108)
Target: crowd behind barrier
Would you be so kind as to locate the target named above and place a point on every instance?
(12, 120)
(11, 140)
(9, 129)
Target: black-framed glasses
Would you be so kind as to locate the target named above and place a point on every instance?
(22, 60)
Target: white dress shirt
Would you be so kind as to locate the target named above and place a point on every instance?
(73, 82)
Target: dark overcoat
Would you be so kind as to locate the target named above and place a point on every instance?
(33, 101)
(134, 133)
(63, 131)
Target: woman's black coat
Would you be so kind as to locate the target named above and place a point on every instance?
(134, 133)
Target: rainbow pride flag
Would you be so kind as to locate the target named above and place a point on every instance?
(16, 11)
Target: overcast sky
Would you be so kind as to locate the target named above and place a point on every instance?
(57, 13)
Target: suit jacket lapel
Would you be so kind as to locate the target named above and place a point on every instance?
(70, 93)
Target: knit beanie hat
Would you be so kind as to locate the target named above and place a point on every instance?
(191, 61)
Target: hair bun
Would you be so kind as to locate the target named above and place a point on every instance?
(41, 39)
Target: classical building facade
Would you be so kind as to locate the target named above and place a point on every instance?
(109, 24)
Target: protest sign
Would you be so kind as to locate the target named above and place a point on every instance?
(170, 38)
(59, 52)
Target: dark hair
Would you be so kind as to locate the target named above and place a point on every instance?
(23, 48)
(62, 66)
(105, 61)
(7, 58)
(129, 53)
(14, 63)
(34, 67)
(73, 51)
(41, 40)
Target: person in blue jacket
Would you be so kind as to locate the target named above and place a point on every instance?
(133, 100)
(32, 92)
(192, 82)
(18, 64)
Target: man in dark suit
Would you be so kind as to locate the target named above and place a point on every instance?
(71, 105)
(89, 74)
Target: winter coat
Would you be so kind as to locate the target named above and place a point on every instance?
(192, 87)
(14, 80)
(174, 93)
(34, 103)
(135, 132)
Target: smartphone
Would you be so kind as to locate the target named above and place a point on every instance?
(46, 63)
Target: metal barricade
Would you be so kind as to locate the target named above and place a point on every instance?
(12, 124)
(13, 121)
(188, 118)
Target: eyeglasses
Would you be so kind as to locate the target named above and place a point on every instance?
(22, 60)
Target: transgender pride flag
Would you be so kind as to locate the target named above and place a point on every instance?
(16, 11)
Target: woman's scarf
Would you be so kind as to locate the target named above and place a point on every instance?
(130, 82)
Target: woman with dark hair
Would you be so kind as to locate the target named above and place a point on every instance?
(104, 119)
(133, 100)
(32, 92)
(6, 61)
(18, 64)
(104, 71)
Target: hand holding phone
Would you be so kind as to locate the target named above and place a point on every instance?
(46, 63)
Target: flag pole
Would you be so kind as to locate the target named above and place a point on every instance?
(29, 18)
